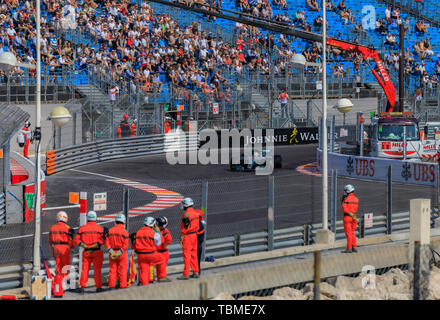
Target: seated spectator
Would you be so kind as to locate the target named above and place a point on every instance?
(341, 6)
(391, 41)
(317, 23)
(358, 28)
(380, 27)
(312, 5)
(428, 49)
(329, 5)
(420, 27)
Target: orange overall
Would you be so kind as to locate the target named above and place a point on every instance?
(350, 205)
(61, 242)
(90, 234)
(27, 135)
(189, 242)
(147, 254)
(118, 239)
(161, 269)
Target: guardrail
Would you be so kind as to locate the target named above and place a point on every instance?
(2, 209)
(92, 152)
(11, 276)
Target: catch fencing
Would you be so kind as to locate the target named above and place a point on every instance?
(237, 214)
(2, 209)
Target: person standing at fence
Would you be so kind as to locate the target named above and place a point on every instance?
(61, 241)
(161, 269)
(145, 244)
(133, 128)
(116, 244)
(90, 237)
(24, 138)
(167, 128)
(350, 206)
(188, 239)
(124, 127)
(284, 97)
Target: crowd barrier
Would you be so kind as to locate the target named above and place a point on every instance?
(413, 172)
(11, 276)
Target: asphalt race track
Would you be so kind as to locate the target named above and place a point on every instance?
(237, 201)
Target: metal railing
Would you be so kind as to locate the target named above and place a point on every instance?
(2, 209)
(11, 276)
(87, 153)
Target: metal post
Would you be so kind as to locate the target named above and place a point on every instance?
(438, 184)
(74, 128)
(270, 213)
(404, 143)
(82, 220)
(332, 134)
(334, 199)
(358, 115)
(401, 68)
(204, 209)
(6, 163)
(59, 137)
(320, 132)
(389, 201)
(126, 204)
(236, 244)
(37, 233)
(361, 147)
(416, 276)
(324, 121)
(309, 112)
(317, 274)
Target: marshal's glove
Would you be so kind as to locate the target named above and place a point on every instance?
(115, 254)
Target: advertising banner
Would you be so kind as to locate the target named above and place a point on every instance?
(413, 172)
(28, 201)
(288, 136)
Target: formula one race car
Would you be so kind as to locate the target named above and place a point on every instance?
(256, 161)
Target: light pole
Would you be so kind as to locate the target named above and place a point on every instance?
(324, 120)
(7, 62)
(344, 106)
(59, 116)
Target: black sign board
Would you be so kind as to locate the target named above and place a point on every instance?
(285, 136)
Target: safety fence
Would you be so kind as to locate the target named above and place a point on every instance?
(2, 209)
(11, 276)
(71, 157)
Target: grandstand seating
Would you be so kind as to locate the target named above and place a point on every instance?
(336, 26)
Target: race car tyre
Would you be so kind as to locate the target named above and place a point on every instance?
(277, 161)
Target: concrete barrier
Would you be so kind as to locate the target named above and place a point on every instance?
(256, 272)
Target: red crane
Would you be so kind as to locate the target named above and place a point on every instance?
(381, 76)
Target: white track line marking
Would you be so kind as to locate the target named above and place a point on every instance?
(164, 199)
(65, 207)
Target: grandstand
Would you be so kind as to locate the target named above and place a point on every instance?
(159, 57)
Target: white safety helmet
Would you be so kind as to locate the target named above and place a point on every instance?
(62, 216)
(120, 218)
(91, 216)
(149, 222)
(348, 188)
(187, 202)
(27, 124)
